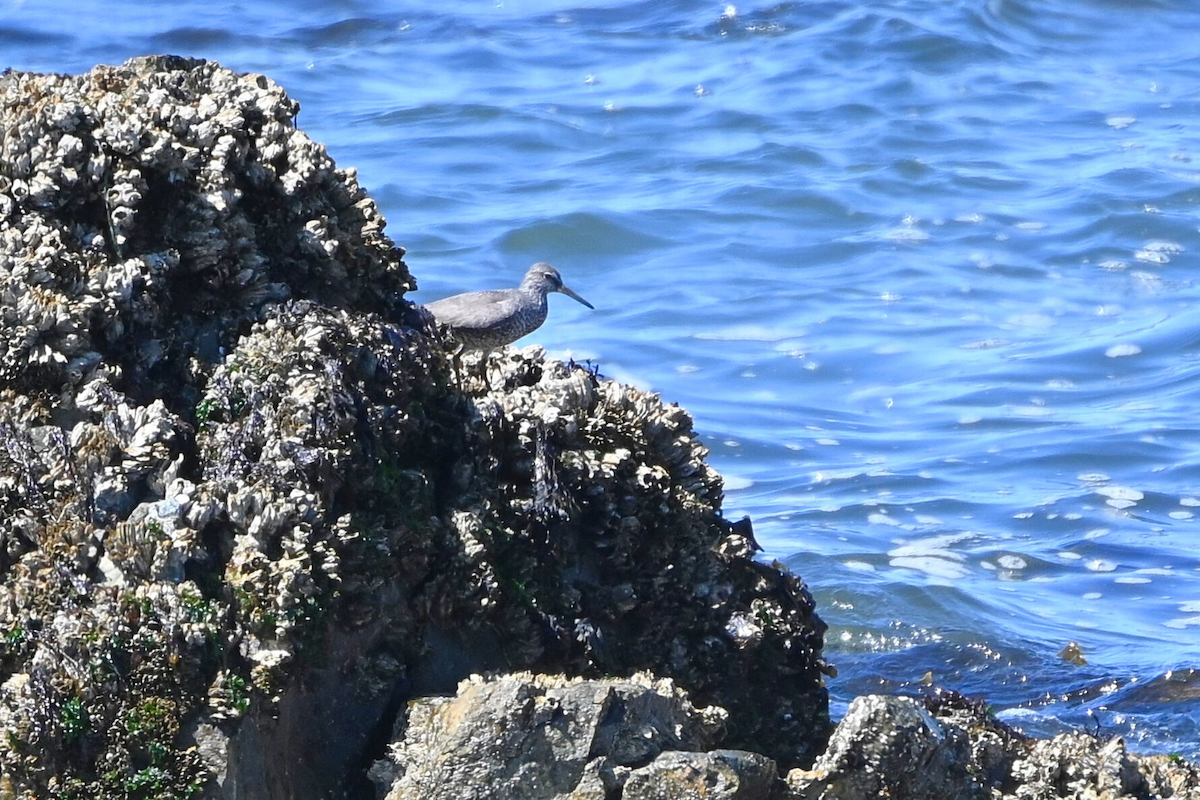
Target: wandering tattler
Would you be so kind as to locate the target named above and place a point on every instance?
(484, 320)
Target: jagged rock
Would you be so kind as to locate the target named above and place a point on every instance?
(527, 737)
(890, 747)
(149, 211)
(1070, 765)
(247, 509)
(1082, 765)
(994, 745)
(1170, 776)
(1077, 765)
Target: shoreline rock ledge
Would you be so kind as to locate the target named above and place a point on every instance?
(257, 542)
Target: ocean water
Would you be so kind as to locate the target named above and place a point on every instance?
(924, 271)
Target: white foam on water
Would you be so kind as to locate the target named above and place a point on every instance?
(933, 566)
(736, 483)
(1012, 562)
(1122, 350)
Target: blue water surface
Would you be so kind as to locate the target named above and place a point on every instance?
(922, 270)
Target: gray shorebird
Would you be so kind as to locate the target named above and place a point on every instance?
(486, 320)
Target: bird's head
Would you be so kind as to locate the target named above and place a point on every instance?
(543, 278)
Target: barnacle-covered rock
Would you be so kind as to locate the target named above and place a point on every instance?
(248, 508)
(600, 549)
(309, 426)
(149, 215)
(908, 754)
(950, 746)
(151, 210)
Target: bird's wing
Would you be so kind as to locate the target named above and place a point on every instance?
(475, 310)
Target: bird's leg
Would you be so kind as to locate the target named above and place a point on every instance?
(472, 375)
(485, 360)
(456, 363)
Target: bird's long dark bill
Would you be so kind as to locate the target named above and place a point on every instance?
(572, 295)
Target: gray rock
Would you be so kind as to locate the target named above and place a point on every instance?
(715, 775)
(896, 748)
(890, 747)
(526, 737)
(1078, 765)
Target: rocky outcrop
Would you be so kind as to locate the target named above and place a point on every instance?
(890, 747)
(256, 525)
(249, 507)
(525, 736)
